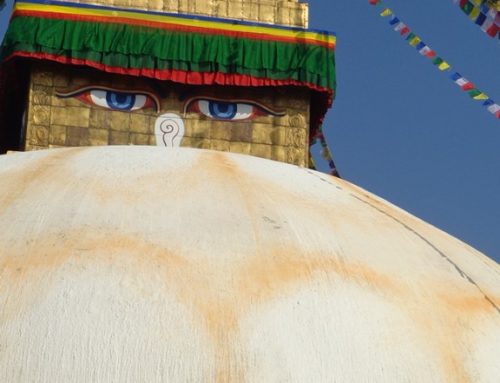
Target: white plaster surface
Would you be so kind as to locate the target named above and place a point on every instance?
(146, 264)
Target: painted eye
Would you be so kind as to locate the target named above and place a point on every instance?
(222, 110)
(123, 100)
(228, 110)
(117, 100)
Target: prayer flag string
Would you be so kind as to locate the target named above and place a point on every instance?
(483, 13)
(425, 50)
(325, 152)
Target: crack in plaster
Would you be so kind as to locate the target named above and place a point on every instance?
(462, 273)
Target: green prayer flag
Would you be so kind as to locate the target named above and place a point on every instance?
(468, 7)
(474, 92)
(437, 61)
(410, 36)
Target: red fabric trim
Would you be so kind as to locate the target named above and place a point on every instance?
(179, 76)
(164, 26)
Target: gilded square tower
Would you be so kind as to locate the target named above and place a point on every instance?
(238, 76)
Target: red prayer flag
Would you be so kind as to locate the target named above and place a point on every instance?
(493, 30)
(404, 31)
(468, 86)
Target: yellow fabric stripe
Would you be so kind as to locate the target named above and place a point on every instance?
(95, 12)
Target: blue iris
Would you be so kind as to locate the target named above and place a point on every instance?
(120, 101)
(222, 110)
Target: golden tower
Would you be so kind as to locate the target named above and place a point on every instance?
(68, 92)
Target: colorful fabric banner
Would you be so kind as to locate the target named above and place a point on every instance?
(439, 62)
(180, 48)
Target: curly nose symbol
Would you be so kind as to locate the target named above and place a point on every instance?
(169, 130)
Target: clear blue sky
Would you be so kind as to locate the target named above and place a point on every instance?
(400, 128)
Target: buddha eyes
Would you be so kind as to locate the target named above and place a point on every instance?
(123, 100)
(132, 100)
(225, 110)
(228, 110)
(118, 100)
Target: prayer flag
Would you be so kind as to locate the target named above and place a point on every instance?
(430, 53)
(475, 13)
(480, 19)
(455, 76)
(425, 50)
(444, 66)
(494, 109)
(467, 86)
(437, 61)
(481, 96)
(420, 46)
(493, 30)
(386, 12)
(487, 24)
(410, 36)
(404, 30)
(394, 20)
(484, 8)
(415, 41)
(467, 8)
(473, 93)
(399, 27)
(463, 83)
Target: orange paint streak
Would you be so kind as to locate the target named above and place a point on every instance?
(37, 171)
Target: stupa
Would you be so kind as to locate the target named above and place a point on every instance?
(143, 239)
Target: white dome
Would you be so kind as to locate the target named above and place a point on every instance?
(140, 264)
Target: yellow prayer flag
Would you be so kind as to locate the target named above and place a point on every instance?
(475, 13)
(414, 41)
(481, 96)
(477, 2)
(386, 12)
(444, 65)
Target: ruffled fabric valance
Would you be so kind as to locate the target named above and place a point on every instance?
(180, 48)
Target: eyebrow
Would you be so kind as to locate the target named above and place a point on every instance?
(267, 109)
(80, 90)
